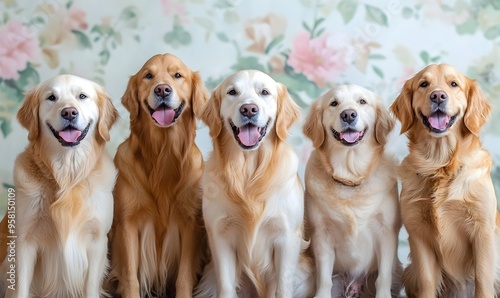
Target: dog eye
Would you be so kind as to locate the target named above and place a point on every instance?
(177, 75)
(148, 75)
(264, 92)
(454, 84)
(232, 92)
(82, 96)
(362, 101)
(424, 84)
(334, 103)
(51, 97)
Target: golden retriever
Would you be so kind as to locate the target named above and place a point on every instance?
(253, 200)
(351, 197)
(448, 203)
(63, 184)
(157, 235)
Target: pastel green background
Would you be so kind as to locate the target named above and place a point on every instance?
(309, 45)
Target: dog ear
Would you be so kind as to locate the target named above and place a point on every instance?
(288, 112)
(130, 100)
(478, 108)
(107, 114)
(211, 113)
(313, 127)
(402, 109)
(199, 95)
(384, 124)
(28, 114)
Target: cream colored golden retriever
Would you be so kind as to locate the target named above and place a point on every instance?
(351, 198)
(448, 204)
(157, 237)
(253, 200)
(63, 185)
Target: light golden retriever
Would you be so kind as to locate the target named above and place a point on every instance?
(351, 198)
(448, 204)
(63, 184)
(157, 236)
(253, 200)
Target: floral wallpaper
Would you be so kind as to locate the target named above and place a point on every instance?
(309, 45)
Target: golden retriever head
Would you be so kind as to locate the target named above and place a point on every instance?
(67, 109)
(247, 105)
(439, 97)
(348, 115)
(161, 90)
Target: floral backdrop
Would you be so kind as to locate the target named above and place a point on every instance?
(309, 45)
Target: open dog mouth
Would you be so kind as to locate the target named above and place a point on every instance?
(164, 115)
(438, 121)
(348, 137)
(249, 135)
(69, 136)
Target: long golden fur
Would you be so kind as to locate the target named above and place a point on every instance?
(157, 237)
(252, 196)
(448, 203)
(351, 197)
(63, 183)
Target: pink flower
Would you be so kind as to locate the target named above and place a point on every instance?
(172, 7)
(316, 58)
(76, 19)
(18, 45)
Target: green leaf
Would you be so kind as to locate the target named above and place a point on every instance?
(376, 56)
(5, 127)
(177, 37)
(317, 23)
(307, 27)
(495, 4)
(69, 4)
(274, 43)
(83, 40)
(249, 62)
(28, 78)
(347, 9)
(130, 16)
(7, 185)
(137, 38)
(467, 27)
(492, 32)
(117, 37)
(425, 56)
(104, 54)
(376, 15)
(222, 37)
(407, 12)
(378, 71)
(435, 59)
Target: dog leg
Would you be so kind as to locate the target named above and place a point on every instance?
(286, 258)
(324, 255)
(385, 255)
(98, 264)
(26, 268)
(422, 277)
(484, 254)
(224, 258)
(188, 260)
(127, 242)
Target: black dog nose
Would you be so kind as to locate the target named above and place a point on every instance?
(249, 110)
(348, 115)
(69, 113)
(163, 90)
(438, 96)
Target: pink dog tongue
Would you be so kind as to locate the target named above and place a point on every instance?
(70, 135)
(163, 116)
(350, 136)
(249, 135)
(439, 120)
